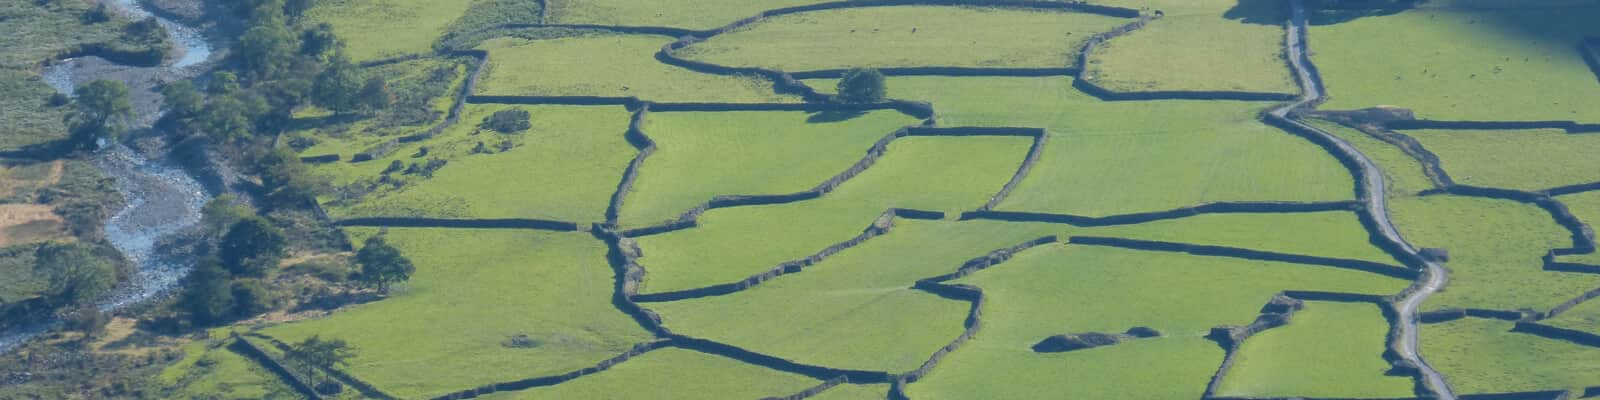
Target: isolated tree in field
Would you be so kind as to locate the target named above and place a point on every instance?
(508, 121)
(251, 247)
(76, 275)
(207, 294)
(315, 354)
(382, 265)
(101, 111)
(862, 85)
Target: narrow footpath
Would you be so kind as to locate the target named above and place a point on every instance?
(1377, 204)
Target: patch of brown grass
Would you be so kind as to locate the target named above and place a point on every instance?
(30, 223)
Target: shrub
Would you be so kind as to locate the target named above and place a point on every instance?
(251, 297)
(862, 85)
(508, 121)
(252, 247)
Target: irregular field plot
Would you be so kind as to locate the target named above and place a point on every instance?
(221, 373)
(609, 65)
(1484, 356)
(1336, 234)
(1585, 317)
(673, 374)
(1071, 289)
(906, 36)
(855, 392)
(1403, 175)
(1328, 350)
(1107, 158)
(1586, 206)
(375, 29)
(425, 89)
(473, 291)
(1495, 64)
(931, 173)
(687, 14)
(1204, 50)
(1495, 251)
(1542, 159)
(23, 112)
(700, 155)
(565, 168)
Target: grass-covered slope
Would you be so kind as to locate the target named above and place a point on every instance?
(1328, 350)
(609, 65)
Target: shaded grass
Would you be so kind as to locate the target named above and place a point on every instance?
(1199, 51)
(930, 173)
(1402, 174)
(20, 283)
(1495, 251)
(1463, 63)
(1515, 159)
(700, 155)
(1070, 289)
(1107, 158)
(24, 112)
(670, 374)
(1336, 234)
(1586, 206)
(472, 292)
(1329, 350)
(1484, 356)
(38, 31)
(220, 373)
(565, 168)
(374, 29)
(905, 36)
(611, 65)
(687, 14)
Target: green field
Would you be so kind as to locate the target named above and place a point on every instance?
(1328, 350)
(1484, 356)
(687, 14)
(564, 168)
(1497, 63)
(446, 330)
(1544, 158)
(1186, 152)
(733, 243)
(214, 369)
(1336, 234)
(1586, 206)
(1495, 249)
(1584, 317)
(673, 374)
(609, 65)
(906, 36)
(700, 155)
(1403, 175)
(1219, 45)
(854, 392)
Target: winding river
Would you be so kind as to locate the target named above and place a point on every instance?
(162, 199)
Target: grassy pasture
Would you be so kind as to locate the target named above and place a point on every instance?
(1495, 249)
(733, 243)
(16, 264)
(613, 65)
(673, 374)
(24, 112)
(566, 168)
(1464, 63)
(1543, 158)
(687, 14)
(1329, 350)
(1402, 174)
(1336, 234)
(1484, 356)
(905, 36)
(1584, 317)
(375, 29)
(1071, 289)
(425, 89)
(1211, 48)
(221, 373)
(854, 392)
(1108, 158)
(700, 155)
(472, 292)
(1587, 207)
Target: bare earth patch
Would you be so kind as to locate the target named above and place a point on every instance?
(29, 223)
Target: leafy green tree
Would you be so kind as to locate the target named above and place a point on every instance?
(88, 320)
(295, 9)
(101, 111)
(382, 265)
(862, 85)
(337, 86)
(221, 213)
(223, 82)
(181, 100)
(314, 354)
(251, 297)
(225, 119)
(251, 247)
(374, 95)
(207, 294)
(76, 274)
(264, 50)
(288, 181)
(319, 41)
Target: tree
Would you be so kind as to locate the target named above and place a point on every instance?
(76, 275)
(207, 295)
(221, 213)
(251, 247)
(251, 297)
(382, 265)
(374, 95)
(288, 181)
(225, 120)
(101, 112)
(337, 86)
(319, 41)
(862, 85)
(222, 83)
(295, 9)
(181, 100)
(314, 354)
(264, 50)
(507, 121)
(89, 320)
